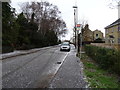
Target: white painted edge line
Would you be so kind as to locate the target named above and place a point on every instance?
(56, 71)
(65, 57)
(62, 61)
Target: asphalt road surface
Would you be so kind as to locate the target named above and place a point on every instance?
(47, 68)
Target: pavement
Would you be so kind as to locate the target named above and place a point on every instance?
(43, 68)
(70, 74)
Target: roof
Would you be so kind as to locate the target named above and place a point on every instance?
(113, 24)
(97, 30)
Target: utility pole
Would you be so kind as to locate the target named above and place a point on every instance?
(75, 23)
(118, 9)
(80, 43)
(79, 50)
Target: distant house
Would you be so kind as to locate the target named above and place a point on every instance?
(97, 34)
(112, 33)
(87, 34)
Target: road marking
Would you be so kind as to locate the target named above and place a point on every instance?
(57, 69)
(49, 76)
(56, 66)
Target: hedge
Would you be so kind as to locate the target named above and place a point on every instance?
(106, 58)
(7, 49)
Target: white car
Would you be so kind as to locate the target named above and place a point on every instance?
(65, 47)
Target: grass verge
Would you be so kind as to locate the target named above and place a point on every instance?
(97, 77)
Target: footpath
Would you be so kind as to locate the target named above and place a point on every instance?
(70, 74)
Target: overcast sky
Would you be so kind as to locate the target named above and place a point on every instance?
(96, 12)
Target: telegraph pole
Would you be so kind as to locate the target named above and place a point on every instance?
(118, 9)
(80, 43)
(75, 23)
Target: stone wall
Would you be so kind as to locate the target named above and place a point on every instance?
(111, 46)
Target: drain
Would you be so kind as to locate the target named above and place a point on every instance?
(58, 62)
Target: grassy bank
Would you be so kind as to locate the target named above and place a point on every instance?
(97, 77)
(108, 59)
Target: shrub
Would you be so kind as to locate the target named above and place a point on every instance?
(106, 58)
(7, 49)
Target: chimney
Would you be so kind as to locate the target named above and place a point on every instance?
(118, 9)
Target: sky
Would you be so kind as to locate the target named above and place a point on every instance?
(97, 13)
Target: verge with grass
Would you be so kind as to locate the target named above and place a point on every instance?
(97, 77)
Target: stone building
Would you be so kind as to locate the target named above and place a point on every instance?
(112, 33)
(97, 34)
(87, 34)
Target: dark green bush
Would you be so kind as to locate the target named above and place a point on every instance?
(25, 47)
(7, 49)
(106, 58)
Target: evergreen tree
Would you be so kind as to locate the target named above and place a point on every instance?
(23, 35)
(9, 28)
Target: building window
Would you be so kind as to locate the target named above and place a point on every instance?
(119, 40)
(96, 35)
(106, 31)
(119, 28)
(111, 36)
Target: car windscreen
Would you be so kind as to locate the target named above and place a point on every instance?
(65, 44)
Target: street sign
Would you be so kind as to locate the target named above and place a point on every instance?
(78, 26)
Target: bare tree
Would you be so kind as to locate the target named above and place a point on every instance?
(46, 15)
(83, 22)
(113, 4)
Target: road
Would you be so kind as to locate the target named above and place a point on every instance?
(47, 68)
